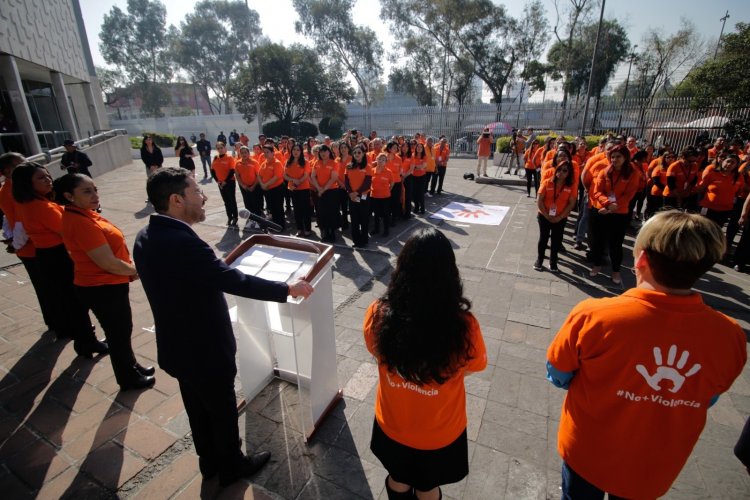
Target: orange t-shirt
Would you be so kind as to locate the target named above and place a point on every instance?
(442, 153)
(686, 178)
(42, 220)
(247, 170)
(406, 164)
(484, 146)
(297, 171)
(343, 163)
(645, 372)
(609, 183)
(356, 177)
(323, 172)
(269, 170)
(85, 230)
(394, 166)
(721, 189)
(223, 168)
(553, 195)
(381, 183)
(549, 174)
(429, 154)
(661, 173)
(428, 416)
(8, 205)
(420, 166)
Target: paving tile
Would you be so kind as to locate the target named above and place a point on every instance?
(172, 479)
(362, 381)
(111, 465)
(38, 464)
(146, 439)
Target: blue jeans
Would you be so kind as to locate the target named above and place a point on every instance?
(574, 487)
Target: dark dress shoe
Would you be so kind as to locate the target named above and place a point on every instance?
(145, 370)
(88, 349)
(248, 466)
(139, 382)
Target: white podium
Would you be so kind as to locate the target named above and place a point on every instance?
(294, 341)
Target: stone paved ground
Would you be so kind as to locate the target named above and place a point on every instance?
(65, 431)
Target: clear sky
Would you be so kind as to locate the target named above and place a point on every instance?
(637, 16)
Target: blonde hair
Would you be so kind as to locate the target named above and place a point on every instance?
(680, 246)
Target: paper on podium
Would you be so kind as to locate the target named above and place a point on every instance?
(276, 264)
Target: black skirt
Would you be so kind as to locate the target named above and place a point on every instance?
(421, 469)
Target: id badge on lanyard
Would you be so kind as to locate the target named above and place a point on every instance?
(612, 198)
(552, 211)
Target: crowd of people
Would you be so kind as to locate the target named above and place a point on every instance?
(617, 183)
(364, 184)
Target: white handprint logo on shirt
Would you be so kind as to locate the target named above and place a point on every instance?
(670, 371)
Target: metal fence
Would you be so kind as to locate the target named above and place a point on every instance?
(659, 121)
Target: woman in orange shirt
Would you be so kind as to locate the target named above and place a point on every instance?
(42, 219)
(555, 199)
(419, 176)
(344, 158)
(246, 169)
(358, 181)
(382, 182)
(324, 179)
(612, 191)
(394, 164)
(657, 183)
(297, 174)
(532, 166)
(429, 151)
(407, 169)
(222, 171)
(271, 180)
(102, 273)
(720, 185)
(424, 344)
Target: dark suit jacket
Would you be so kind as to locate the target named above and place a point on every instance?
(185, 284)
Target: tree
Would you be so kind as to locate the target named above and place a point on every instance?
(476, 31)
(663, 57)
(111, 82)
(724, 77)
(136, 42)
(213, 43)
(531, 35)
(577, 12)
(329, 23)
(290, 83)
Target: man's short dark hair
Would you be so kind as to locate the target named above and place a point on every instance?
(7, 159)
(164, 183)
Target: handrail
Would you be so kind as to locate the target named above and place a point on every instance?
(46, 157)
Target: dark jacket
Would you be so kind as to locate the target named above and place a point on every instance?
(185, 284)
(203, 147)
(155, 158)
(81, 159)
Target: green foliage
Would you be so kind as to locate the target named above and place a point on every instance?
(291, 83)
(280, 127)
(136, 142)
(725, 77)
(739, 128)
(214, 42)
(160, 139)
(331, 126)
(136, 43)
(331, 26)
(502, 144)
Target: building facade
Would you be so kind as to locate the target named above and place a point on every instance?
(48, 86)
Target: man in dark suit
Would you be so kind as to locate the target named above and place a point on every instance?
(73, 160)
(198, 349)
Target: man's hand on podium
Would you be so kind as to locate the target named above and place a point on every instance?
(300, 288)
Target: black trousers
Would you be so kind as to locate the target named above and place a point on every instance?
(211, 408)
(328, 214)
(733, 226)
(419, 184)
(42, 293)
(253, 200)
(275, 203)
(437, 178)
(381, 208)
(396, 210)
(408, 184)
(742, 252)
(549, 230)
(302, 209)
(654, 203)
(360, 215)
(70, 316)
(719, 217)
(111, 306)
(608, 231)
(532, 177)
(228, 194)
(343, 207)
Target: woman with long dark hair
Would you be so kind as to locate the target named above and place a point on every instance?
(555, 199)
(185, 153)
(343, 158)
(612, 191)
(103, 271)
(297, 174)
(407, 169)
(151, 154)
(424, 344)
(358, 181)
(42, 219)
(271, 180)
(324, 179)
(394, 164)
(419, 176)
(532, 166)
(658, 181)
(246, 169)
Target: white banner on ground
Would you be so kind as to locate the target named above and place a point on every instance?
(472, 213)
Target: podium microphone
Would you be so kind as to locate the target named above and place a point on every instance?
(261, 221)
